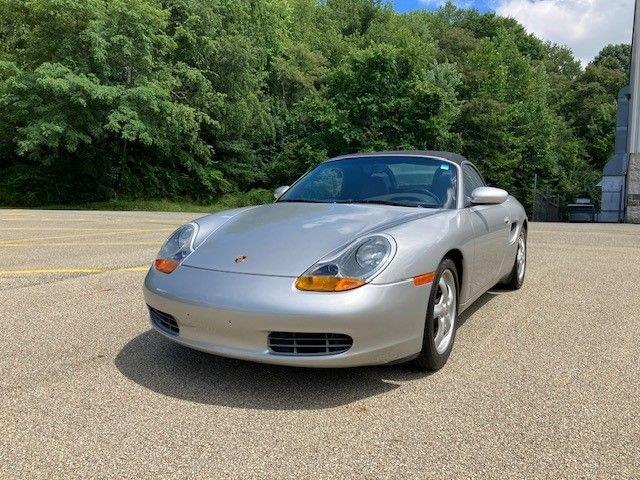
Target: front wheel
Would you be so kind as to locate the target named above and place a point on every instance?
(516, 278)
(442, 315)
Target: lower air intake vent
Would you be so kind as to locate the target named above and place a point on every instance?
(164, 321)
(301, 344)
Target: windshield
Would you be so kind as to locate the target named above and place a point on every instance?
(389, 180)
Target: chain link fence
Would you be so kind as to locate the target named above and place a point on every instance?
(546, 204)
(546, 207)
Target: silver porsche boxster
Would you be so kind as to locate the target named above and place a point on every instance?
(366, 259)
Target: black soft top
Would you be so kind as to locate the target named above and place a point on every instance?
(452, 157)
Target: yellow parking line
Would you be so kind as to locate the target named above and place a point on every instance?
(24, 219)
(77, 244)
(73, 229)
(34, 218)
(55, 229)
(41, 271)
(105, 233)
(95, 218)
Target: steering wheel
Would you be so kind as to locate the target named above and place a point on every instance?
(421, 191)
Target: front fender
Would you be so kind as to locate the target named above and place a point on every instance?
(423, 243)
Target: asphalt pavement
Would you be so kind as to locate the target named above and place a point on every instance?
(542, 383)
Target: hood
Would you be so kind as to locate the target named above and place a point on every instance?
(285, 239)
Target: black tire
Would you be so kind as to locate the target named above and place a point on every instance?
(514, 282)
(429, 357)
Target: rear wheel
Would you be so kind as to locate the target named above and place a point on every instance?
(516, 278)
(442, 315)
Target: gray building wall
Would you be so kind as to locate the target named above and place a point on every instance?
(615, 171)
(633, 189)
(633, 173)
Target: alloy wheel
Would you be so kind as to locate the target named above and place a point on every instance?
(444, 311)
(521, 258)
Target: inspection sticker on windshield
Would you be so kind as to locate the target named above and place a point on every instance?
(444, 166)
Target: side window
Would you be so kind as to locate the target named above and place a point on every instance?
(471, 179)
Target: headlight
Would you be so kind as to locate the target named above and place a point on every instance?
(177, 247)
(351, 267)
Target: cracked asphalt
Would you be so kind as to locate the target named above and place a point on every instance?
(542, 383)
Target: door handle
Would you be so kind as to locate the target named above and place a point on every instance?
(506, 220)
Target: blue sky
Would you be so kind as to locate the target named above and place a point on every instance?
(406, 5)
(585, 26)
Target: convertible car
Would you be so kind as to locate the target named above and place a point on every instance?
(366, 259)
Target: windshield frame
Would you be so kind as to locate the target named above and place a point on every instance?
(459, 202)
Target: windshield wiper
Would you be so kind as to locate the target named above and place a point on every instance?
(374, 202)
(379, 202)
(300, 200)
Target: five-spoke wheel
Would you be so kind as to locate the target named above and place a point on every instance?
(441, 318)
(444, 312)
(516, 277)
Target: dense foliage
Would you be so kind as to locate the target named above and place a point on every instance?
(197, 98)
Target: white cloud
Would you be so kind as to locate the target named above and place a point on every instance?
(585, 26)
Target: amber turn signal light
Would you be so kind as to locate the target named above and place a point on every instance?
(424, 279)
(327, 284)
(166, 265)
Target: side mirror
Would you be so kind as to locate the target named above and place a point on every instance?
(278, 192)
(488, 196)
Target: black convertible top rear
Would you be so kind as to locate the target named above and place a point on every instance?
(452, 157)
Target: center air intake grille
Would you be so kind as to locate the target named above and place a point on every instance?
(301, 344)
(164, 321)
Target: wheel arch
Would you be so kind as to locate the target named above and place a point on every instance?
(455, 255)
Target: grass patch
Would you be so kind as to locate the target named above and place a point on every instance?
(232, 200)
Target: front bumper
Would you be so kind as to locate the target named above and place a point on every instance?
(231, 315)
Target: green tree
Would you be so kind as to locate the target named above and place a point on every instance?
(175, 98)
(615, 57)
(104, 116)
